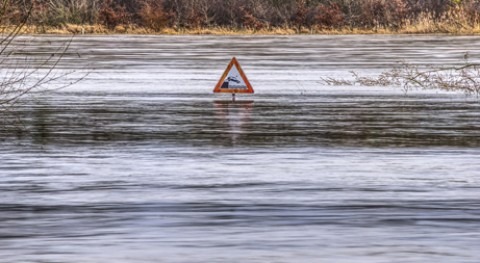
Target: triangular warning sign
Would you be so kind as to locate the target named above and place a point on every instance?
(233, 80)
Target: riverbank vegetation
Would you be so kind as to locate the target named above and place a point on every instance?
(244, 16)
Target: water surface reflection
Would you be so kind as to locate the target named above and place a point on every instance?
(236, 114)
(341, 120)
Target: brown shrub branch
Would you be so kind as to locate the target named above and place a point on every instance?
(22, 73)
(464, 78)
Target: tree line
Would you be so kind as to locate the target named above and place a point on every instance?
(239, 14)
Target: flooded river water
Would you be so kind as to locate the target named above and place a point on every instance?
(140, 162)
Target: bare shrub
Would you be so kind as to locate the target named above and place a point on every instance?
(328, 15)
(383, 13)
(331, 81)
(23, 72)
(152, 15)
(299, 17)
(251, 22)
(471, 11)
(113, 13)
(279, 12)
(464, 78)
(373, 13)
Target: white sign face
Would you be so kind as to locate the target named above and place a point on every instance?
(234, 80)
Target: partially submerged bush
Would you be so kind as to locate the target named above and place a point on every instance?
(464, 78)
(22, 73)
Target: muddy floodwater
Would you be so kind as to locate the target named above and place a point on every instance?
(140, 162)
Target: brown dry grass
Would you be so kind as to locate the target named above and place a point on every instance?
(423, 25)
(453, 22)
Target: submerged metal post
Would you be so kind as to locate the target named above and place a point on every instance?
(233, 97)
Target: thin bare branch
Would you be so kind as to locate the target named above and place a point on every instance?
(464, 78)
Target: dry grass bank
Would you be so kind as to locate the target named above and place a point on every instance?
(451, 23)
(216, 17)
(424, 27)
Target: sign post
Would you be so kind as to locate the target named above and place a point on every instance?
(233, 80)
